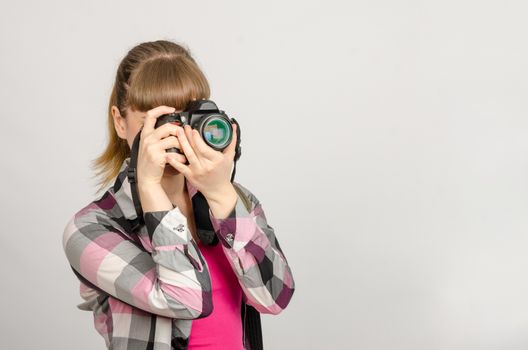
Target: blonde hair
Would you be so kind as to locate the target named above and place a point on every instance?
(151, 74)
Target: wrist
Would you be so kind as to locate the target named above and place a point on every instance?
(222, 202)
(154, 198)
(220, 193)
(148, 186)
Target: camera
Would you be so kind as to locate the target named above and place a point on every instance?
(213, 125)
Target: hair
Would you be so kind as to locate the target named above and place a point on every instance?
(151, 74)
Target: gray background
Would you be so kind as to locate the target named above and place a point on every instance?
(385, 139)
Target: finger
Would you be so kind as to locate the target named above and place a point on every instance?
(153, 114)
(184, 169)
(232, 145)
(188, 133)
(169, 142)
(187, 149)
(165, 130)
(176, 157)
(201, 147)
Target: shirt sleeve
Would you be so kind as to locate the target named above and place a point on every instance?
(167, 276)
(253, 251)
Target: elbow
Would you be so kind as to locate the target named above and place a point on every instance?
(283, 300)
(189, 306)
(285, 295)
(206, 309)
(277, 305)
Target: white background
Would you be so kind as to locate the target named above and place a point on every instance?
(385, 139)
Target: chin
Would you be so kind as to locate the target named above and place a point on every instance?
(170, 170)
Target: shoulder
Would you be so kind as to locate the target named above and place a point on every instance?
(101, 212)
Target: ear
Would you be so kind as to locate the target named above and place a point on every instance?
(120, 124)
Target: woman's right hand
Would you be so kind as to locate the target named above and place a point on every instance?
(152, 157)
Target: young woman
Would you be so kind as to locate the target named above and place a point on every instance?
(161, 287)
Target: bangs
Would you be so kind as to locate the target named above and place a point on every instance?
(166, 81)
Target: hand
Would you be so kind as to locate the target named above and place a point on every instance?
(152, 148)
(209, 170)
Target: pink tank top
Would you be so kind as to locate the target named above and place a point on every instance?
(222, 329)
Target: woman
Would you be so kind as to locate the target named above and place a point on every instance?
(162, 288)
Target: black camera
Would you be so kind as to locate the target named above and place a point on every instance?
(213, 125)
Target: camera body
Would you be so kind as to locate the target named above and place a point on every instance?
(213, 125)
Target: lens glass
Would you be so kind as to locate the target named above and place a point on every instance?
(217, 132)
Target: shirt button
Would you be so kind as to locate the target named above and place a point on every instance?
(179, 228)
(229, 237)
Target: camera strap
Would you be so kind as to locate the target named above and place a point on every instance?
(204, 226)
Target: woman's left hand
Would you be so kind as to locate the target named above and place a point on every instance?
(209, 170)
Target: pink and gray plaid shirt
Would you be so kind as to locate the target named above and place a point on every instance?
(144, 290)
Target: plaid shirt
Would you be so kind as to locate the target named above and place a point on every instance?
(144, 290)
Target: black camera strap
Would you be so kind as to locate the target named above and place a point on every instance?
(204, 226)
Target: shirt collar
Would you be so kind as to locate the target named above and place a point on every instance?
(123, 195)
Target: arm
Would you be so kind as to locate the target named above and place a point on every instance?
(170, 279)
(255, 255)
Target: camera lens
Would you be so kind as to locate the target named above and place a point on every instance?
(216, 132)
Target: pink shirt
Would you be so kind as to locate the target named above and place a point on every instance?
(222, 329)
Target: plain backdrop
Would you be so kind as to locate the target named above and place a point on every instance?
(385, 139)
